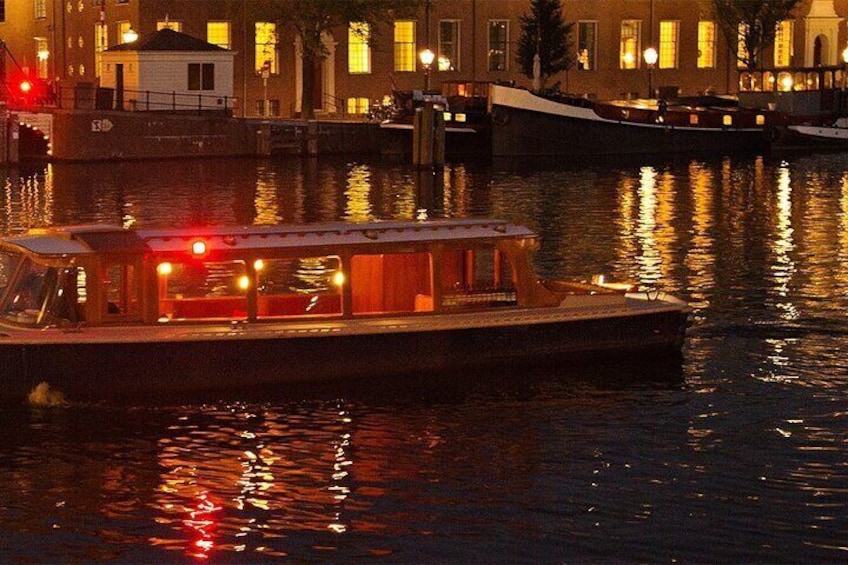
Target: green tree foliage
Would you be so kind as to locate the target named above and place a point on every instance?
(312, 19)
(544, 31)
(753, 23)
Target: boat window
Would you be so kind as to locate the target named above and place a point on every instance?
(391, 282)
(33, 289)
(307, 286)
(481, 276)
(784, 82)
(812, 82)
(203, 290)
(768, 81)
(800, 81)
(121, 294)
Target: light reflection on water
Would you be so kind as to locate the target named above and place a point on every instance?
(743, 461)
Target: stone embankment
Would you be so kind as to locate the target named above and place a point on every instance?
(97, 135)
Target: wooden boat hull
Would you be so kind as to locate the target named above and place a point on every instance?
(556, 129)
(252, 355)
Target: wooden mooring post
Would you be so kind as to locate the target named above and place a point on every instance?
(428, 137)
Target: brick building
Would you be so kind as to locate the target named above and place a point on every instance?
(474, 40)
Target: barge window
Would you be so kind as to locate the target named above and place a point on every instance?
(480, 276)
(391, 282)
(203, 290)
(306, 286)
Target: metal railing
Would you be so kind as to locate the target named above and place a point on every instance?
(89, 97)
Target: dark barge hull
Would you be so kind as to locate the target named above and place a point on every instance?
(94, 371)
(517, 132)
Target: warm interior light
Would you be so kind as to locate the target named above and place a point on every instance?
(727, 120)
(258, 265)
(164, 269)
(761, 120)
(244, 282)
(448, 116)
(845, 55)
(198, 247)
(338, 278)
(459, 117)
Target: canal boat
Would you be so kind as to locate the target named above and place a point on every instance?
(524, 123)
(91, 310)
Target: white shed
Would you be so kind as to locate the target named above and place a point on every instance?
(169, 70)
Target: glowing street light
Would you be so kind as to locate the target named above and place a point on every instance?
(427, 57)
(651, 56)
(129, 36)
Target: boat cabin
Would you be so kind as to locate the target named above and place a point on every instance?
(108, 275)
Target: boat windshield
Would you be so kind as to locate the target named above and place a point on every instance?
(30, 292)
(8, 264)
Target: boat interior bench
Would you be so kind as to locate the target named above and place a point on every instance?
(235, 307)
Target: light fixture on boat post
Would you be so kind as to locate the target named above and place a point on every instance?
(427, 57)
(651, 57)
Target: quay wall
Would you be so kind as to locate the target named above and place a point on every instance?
(107, 135)
(113, 135)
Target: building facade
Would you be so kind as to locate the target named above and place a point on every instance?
(61, 41)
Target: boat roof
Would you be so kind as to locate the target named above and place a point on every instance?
(99, 238)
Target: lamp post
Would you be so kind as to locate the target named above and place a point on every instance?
(650, 55)
(427, 57)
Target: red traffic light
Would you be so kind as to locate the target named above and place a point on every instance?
(25, 86)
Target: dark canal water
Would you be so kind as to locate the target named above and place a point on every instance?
(740, 454)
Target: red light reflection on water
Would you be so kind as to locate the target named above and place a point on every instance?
(201, 523)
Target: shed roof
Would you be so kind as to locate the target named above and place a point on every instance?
(167, 40)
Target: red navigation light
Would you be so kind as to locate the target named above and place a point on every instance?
(198, 247)
(25, 86)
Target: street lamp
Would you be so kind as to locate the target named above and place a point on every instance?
(129, 36)
(650, 55)
(427, 57)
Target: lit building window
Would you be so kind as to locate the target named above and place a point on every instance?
(122, 27)
(359, 52)
(405, 46)
(218, 33)
(587, 33)
(448, 45)
(101, 43)
(273, 108)
(266, 47)
(498, 45)
(706, 45)
(631, 31)
(40, 9)
(168, 24)
(783, 39)
(42, 57)
(669, 37)
(357, 105)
